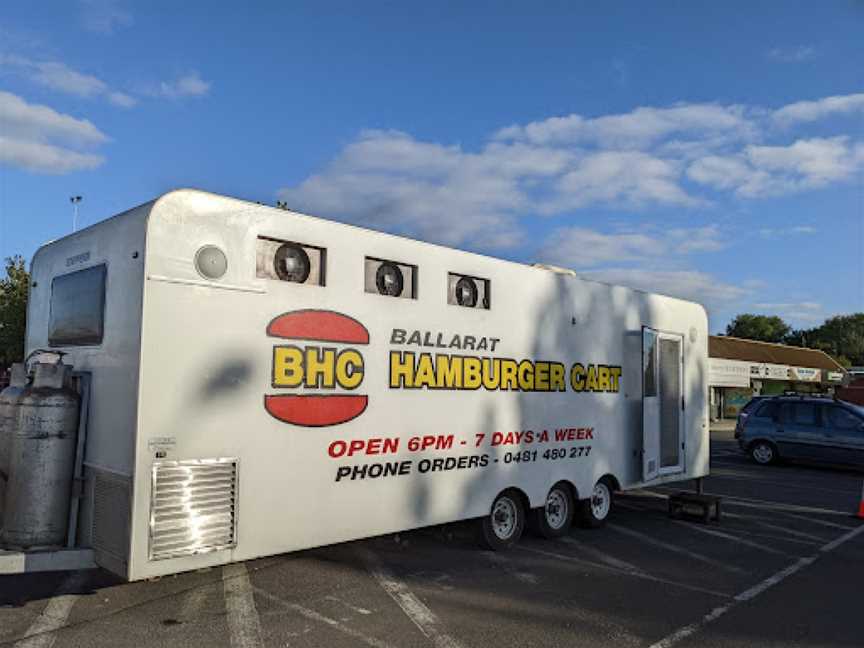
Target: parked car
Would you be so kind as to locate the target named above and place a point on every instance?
(803, 428)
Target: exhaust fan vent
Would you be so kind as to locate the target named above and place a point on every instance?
(289, 261)
(390, 278)
(470, 292)
(193, 507)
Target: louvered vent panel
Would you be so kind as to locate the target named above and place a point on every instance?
(194, 507)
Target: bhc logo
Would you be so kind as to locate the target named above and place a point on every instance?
(316, 366)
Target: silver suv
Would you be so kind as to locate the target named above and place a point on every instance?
(802, 428)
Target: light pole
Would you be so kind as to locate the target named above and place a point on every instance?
(75, 200)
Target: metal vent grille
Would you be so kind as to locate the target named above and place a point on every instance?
(111, 514)
(193, 508)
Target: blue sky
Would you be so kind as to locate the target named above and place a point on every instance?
(712, 151)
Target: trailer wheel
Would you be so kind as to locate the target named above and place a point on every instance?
(503, 527)
(596, 509)
(553, 519)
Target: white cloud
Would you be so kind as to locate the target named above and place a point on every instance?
(188, 85)
(61, 78)
(802, 311)
(639, 128)
(772, 232)
(759, 171)
(105, 16)
(792, 55)
(580, 247)
(38, 138)
(44, 158)
(808, 111)
(685, 284)
(630, 178)
(686, 156)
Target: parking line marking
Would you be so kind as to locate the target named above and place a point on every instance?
(42, 633)
(413, 607)
(359, 610)
(601, 556)
(675, 548)
(826, 523)
(317, 616)
(733, 538)
(768, 505)
(753, 592)
(244, 626)
(624, 572)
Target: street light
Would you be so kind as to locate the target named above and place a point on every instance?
(75, 200)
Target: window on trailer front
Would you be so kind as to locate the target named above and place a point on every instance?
(78, 308)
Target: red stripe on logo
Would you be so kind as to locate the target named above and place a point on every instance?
(320, 325)
(315, 411)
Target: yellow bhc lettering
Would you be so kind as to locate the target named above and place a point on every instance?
(316, 367)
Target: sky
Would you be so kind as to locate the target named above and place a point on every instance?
(712, 151)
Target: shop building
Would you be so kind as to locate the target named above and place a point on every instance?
(739, 369)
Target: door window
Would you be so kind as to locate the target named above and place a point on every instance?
(767, 411)
(842, 419)
(799, 413)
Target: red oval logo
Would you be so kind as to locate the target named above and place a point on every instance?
(309, 366)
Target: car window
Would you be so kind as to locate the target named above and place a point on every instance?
(799, 413)
(750, 405)
(768, 410)
(839, 417)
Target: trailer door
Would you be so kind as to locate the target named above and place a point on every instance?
(662, 403)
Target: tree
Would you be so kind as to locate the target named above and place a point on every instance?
(14, 289)
(841, 336)
(765, 328)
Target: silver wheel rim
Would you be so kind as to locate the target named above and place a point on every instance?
(763, 453)
(601, 501)
(557, 509)
(504, 518)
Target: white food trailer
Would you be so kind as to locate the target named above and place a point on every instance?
(262, 381)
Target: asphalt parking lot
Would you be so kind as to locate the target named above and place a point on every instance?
(783, 568)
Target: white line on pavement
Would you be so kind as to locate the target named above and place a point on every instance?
(320, 618)
(814, 520)
(601, 556)
(359, 610)
(413, 607)
(675, 548)
(623, 572)
(244, 626)
(42, 633)
(733, 538)
(753, 592)
(733, 500)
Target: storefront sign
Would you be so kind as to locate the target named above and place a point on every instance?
(769, 371)
(728, 373)
(835, 376)
(805, 374)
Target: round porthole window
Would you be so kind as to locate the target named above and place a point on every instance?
(389, 280)
(211, 262)
(292, 263)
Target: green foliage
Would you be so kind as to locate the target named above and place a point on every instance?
(841, 337)
(14, 289)
(765, 328)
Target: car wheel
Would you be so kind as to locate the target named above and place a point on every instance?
(503, 527)
(596, 508)
(553, 519)
(763, 453)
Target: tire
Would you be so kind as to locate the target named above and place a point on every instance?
(554, 518)
(595, 510)
(503, 527)
(763, 453)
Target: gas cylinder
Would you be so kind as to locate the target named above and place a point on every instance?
(9, 400)
(42, 460)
